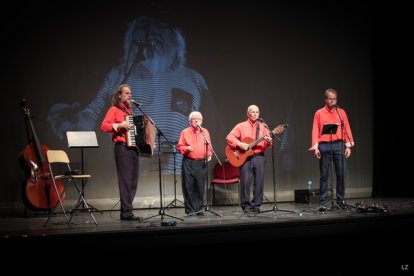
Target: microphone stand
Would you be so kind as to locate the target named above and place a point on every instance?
(275, 208)
(207, 188)
(161, 212)
(138, 57)
(173, 203)
(343, 156)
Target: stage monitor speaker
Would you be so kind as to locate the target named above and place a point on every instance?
(307, 196)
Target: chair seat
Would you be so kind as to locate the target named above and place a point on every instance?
(225, 181)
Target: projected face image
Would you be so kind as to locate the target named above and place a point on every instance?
(155, 45)
(153, 65)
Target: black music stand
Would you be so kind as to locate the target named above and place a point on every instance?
(83, 139)
(330, 129)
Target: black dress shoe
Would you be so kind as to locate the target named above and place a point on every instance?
(341, 204)
(322, 209)
(136, 218)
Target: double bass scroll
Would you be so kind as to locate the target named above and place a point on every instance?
(142, 135)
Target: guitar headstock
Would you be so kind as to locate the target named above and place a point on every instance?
(280, 128)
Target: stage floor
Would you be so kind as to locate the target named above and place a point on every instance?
(294, 229)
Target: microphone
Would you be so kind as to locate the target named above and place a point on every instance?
(201, 129)
(134, 102)
(335, 105)
(263, 122)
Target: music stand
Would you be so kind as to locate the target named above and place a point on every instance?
(330, 129)
(83, 139)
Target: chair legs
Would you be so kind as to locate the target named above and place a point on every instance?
(213, 200)
(225, 187)
(61, 205)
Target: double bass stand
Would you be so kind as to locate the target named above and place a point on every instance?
(161, 211)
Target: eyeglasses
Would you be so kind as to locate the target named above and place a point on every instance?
(331, 99)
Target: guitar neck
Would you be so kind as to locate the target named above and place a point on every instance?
(254, 143)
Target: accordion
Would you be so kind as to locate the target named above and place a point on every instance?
(142, 135)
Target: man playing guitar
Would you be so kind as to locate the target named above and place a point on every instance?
(247, 142)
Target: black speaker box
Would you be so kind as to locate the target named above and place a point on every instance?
(307, 196)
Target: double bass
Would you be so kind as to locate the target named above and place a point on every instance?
(38, 192)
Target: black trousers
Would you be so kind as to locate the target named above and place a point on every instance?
(193, 178)
(127, 166)
(253, 167)
(325, 166)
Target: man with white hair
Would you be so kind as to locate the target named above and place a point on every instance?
(193, 145)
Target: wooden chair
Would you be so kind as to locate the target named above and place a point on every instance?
(55, 157)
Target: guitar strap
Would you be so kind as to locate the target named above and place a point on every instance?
(257, 130)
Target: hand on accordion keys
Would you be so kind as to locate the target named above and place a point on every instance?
(126, 125)
(141, 134)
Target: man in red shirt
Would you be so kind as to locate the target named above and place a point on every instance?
(239, 138)
(193, 144)
(126, 158)
(330, 146)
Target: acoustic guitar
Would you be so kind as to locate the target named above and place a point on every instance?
(237, 156)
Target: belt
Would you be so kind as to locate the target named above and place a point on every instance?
(196, 159)
(336, 141)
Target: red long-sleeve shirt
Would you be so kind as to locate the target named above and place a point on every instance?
(325, 116)
(194, 138)
(247, 129)
(113, 117)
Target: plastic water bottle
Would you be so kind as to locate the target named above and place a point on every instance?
(309, 184)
